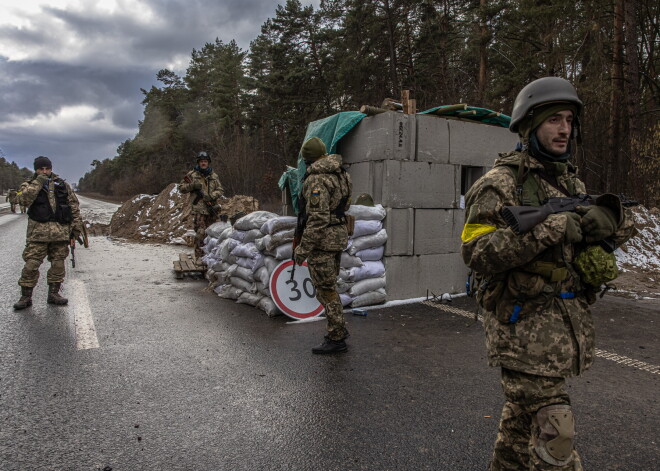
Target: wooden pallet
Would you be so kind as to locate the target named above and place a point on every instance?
(188, 265)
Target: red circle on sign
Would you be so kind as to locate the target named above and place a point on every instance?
(278, 301)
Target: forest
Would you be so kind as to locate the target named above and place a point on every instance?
(250, 109)
(11, 176)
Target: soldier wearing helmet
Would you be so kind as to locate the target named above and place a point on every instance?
(206, 190)
(539, 329)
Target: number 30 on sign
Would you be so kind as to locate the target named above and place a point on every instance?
(295, 297)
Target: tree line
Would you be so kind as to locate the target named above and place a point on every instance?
(11, 176)
(250, 109)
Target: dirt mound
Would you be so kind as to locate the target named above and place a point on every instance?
(167, 217)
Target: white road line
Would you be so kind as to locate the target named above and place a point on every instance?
(85, 331)
(621, 359)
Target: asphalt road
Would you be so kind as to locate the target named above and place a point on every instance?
(145, 372)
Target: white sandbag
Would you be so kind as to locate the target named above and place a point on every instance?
(216, 266)
(262, 275)
(226, 247)
(344, 274)
(262, 289)
(370, 299)
(350, 261)
(345, 299)
(369, 270)
(253, 220)
(228, 291)
(343, 286)
(372, 254)
(280, 238)
(268, 306)
(247, 250)
(211, 244)
(243, 285)
(270, 263)
(252, 235)
(368, 242)
(216, 229)
(244, 273)
(225, 234)
(367, 213)
(238, 235)
(283, 252)
(364, 286)
(261, 243)
(278, 224)
(363, 228)
(249, 298)
(252, 263)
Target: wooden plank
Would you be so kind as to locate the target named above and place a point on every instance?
(177, 265)
(184, 256)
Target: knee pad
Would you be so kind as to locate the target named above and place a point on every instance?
(554, 434)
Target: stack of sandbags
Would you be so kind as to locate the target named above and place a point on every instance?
(362, 275)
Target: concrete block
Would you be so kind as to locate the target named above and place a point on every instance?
(432, 139)
(410, 276)
(478, 144)
(420, 185)
(438, 231)
(400, 226)
(385, 136)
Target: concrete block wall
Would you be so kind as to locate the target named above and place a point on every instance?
(411, 164)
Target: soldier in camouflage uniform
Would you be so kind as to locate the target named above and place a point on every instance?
(12, 198)
(54, 223)
(205, 186)
(326, 195)
(538, 325)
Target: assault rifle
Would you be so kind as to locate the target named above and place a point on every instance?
(297, 235)
(524, 218)
(200, 196)
(83, 239)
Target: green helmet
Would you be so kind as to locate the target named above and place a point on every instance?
(539, 92)
(364, 199)
(312, 149)
(596, 266)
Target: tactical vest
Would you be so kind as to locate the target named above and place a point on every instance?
(41, 211)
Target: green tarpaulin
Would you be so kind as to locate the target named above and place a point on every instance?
(481, 115)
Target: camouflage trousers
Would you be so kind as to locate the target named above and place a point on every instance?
(200, 223)
(12, 207)
(517, 438)
(324, 269)
(34, 255)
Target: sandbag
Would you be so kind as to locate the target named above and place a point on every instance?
(363, 228)
(262, 289)
(254, 220)
(371, 255)
(252, 235)
(364, 286)
(283, 252)
(367, 213)
(370, 299)
(249, 298)
(244, 273)
(350, 261)
(262, 275)
(226, 247)
(238, 235)
(280, 238)
(368, 242)
(252, 263)
(369, 270)
(243, 285)
(228, 291)
(268, 306)
(278, 224)
(216, 229)
(345, 299)
(225, 234)
(270, 263)
(247, 250)
(261, 243)
(343, 286)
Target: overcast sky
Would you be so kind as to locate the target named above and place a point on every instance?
(71, 70)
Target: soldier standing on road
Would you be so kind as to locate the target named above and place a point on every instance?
(326, 195)
(205, 185)
(13, 199)
(54, 223)
(20, 202)
(538, 325)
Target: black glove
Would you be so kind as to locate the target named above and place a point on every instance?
(598, 222)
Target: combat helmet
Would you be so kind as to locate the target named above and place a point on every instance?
(543, 91)
(203, 156)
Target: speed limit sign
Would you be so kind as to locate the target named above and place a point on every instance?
(295, 297)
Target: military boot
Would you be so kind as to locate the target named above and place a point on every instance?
(54, 295)
(26, 298)
(330, 346)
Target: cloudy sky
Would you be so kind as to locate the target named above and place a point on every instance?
(71, 70)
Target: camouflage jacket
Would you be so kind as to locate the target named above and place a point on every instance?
(554, 333)
(12, 197)
(210, 186)
(51, 231)
(326, 185)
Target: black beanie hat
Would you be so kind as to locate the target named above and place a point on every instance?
(41, 162)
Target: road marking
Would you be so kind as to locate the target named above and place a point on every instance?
(85, 331)
(621, 359)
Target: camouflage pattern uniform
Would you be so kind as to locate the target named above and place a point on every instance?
(50, 238)
(553, 337)
(12, 198)
(325, 236)
(202, 216)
